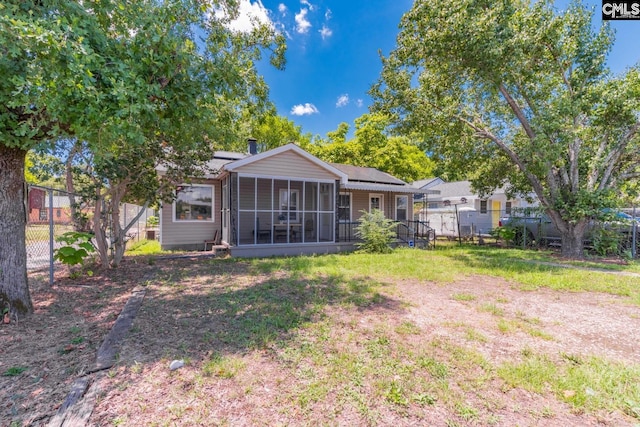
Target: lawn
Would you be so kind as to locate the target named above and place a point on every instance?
(451, 337)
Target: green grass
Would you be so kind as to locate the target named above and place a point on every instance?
(322, 320)
(145, 247)
(14, 371)
(463, 297)
(590, 383)
(36, 233)
(446, 264)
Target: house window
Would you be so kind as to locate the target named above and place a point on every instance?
(43, 215)
(375, 202)
(483, 206)
(193, 203)
(289, 203)
(344, 207)
(402, 207)
(507, 208)
(433, 205)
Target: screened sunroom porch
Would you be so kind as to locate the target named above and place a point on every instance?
(274, 211)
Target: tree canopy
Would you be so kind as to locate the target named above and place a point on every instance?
(373, 147)
(138, 84)
(519, 93)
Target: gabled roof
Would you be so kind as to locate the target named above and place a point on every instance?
(427, 183)
(284, 148)
(459, 189)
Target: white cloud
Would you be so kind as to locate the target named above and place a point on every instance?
(359, 103)
(342, 100)
(249, 14)
(304, 110)
(282, 9)
(325, 32)
(302, 23)
(327, 14)
(308, 4)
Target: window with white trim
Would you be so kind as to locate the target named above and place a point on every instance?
(402, 208)
(507, 208)
(193, 203)
(375, 202)
(344, 207)
(483, 206)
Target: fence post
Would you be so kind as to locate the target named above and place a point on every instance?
(50, 236)
(634, 229)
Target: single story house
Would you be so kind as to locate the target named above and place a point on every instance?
(283, 201)
(456, 202)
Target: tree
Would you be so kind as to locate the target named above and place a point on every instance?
(272, 131)
(519, 94)
(373, 147)
(140, 83)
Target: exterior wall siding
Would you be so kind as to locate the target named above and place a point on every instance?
(287, 164)
(360, 201)
(191, 235)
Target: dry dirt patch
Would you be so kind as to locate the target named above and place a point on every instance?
(250, 342)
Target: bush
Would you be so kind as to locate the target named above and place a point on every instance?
(78, 247)
(376, 231)
(607, 241)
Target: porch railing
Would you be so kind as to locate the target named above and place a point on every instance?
(416, 231)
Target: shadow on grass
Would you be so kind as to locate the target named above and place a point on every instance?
(229, 306)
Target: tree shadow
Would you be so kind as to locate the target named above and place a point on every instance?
(233, 307)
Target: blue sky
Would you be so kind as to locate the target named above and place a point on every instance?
(332, 55)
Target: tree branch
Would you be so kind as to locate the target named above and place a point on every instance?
(518, 112)
(533, 180)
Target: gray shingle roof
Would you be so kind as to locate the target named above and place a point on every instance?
(364, 174)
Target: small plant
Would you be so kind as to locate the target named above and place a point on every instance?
(78, 247)
(376, 230)
(607, 241)
(14, 371)
(153, 221)
(504, 233)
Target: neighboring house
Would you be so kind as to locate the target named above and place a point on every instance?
(40, 207)
(283, 201)
(477, 215)
(425, 184)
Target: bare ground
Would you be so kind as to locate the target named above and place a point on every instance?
(199, 309)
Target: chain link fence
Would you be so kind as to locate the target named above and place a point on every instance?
(531, 229)
(50, 215)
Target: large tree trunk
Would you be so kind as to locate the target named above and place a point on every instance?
(573, 240)
(14, 289)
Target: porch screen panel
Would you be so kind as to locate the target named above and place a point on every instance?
(326, 197)
(278, 185)
(265, 195)
(326, 227)
(310, 227)
(246, 227)
(263, 227)
(311, 196)
(247, 193)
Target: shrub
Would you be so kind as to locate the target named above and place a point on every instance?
(607, 241)
(78, 247)
(376, 231)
